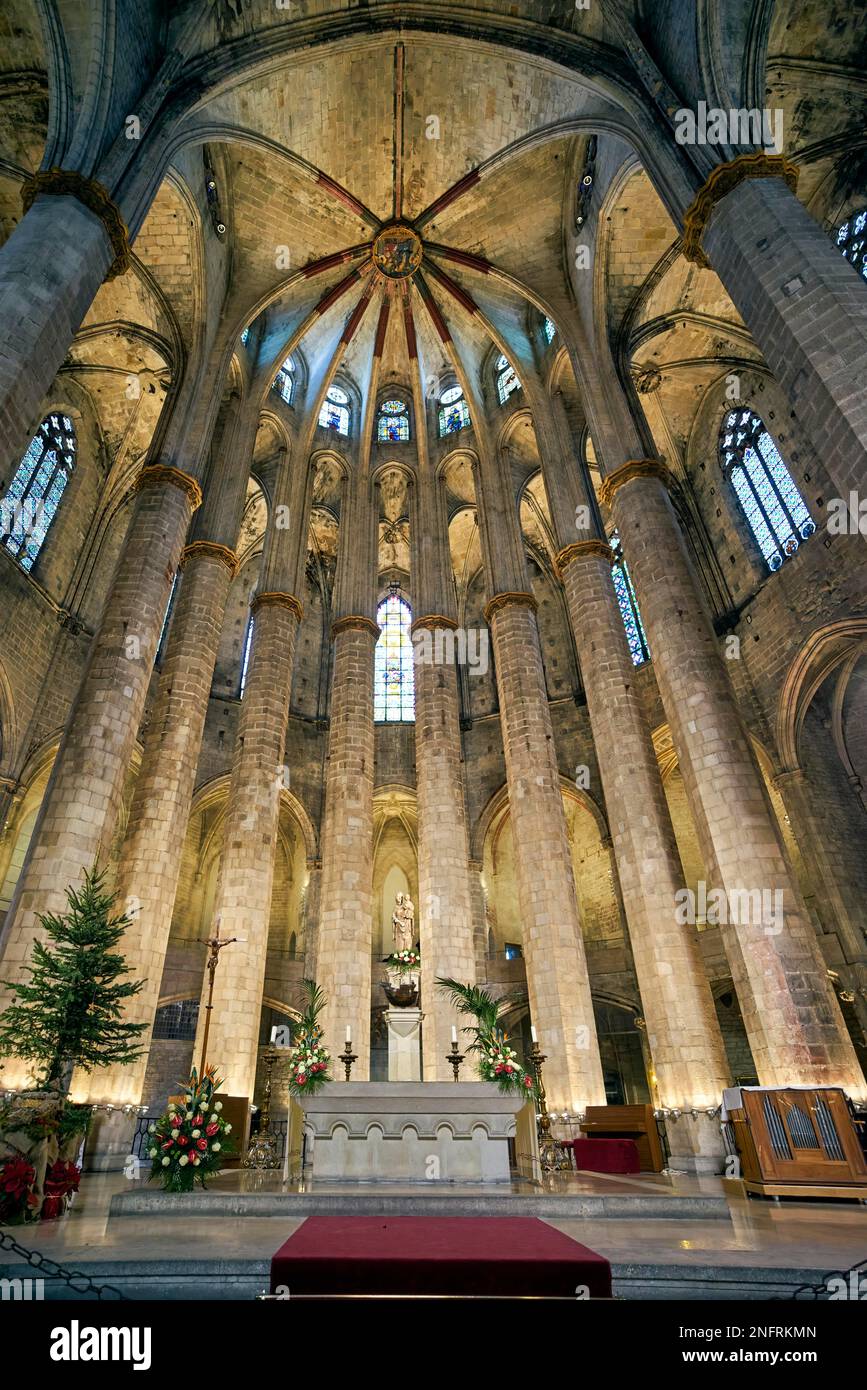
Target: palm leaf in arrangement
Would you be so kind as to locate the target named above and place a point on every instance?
(470, 999)
(314, 1004)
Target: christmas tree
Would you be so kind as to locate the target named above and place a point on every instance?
(70, 1012)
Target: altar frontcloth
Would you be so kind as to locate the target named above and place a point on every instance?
(451, 1256)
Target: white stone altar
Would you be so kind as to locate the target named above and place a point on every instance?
(410, 1132)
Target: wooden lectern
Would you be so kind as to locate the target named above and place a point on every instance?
(627, 1122)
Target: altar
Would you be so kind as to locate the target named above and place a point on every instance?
(410, 1132)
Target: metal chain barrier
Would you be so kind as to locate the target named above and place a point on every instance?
(79, 1282)
(850, 1279)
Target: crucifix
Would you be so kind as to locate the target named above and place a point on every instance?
(215, 946)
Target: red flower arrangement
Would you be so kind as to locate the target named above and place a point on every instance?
(17, 1177)
(181, 1153)
(61, 1179)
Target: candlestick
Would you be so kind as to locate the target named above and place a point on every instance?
(347, 1058)
(455, 1058)
(454, 1036)
(262, 1152)
(552, 1155)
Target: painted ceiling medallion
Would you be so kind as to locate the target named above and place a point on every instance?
(397, 251)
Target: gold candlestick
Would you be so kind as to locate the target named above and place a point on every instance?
(262, 1152)
(455, 1058)
(347, 1058)
(552, 1155)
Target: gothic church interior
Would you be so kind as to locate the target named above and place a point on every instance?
(433, 460)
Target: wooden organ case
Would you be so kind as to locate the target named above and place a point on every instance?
(797, 1142)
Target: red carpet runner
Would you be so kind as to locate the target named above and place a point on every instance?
(512, 1257)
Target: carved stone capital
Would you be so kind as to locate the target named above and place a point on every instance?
(274, 599)
(627, 472)
(355, 622)
(432, 621)
(508, 600)
(159, 474)
(63, 183)
(212, 551)
(564, 557)
(719, 183)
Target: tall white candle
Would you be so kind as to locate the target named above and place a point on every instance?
(454, 1036)
(348, 1034)
(533, 1037)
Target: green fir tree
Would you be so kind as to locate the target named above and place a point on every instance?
(70, 1012)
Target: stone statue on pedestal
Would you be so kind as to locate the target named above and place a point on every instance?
(403, 923)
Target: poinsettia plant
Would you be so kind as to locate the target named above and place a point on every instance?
(309, 1058)
(17, 1197)
(496, 1061)
(190, 1142)
(404, 961)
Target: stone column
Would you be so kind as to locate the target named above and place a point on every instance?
(346, 905)
(83, 800)
(842, 906)
(68, 242)
(804, 303)
(793, 1022)
(682, 1029)
(150, 863)
(242, 906)
(446, 918)
(559, 987)
(445, 907)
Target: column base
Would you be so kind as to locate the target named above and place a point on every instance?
(696, 1144)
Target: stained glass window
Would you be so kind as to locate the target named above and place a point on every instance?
(507, 380)
(549, 328)
(454, 412)
(393, 424)
(393, 679)
(284, 381)
(334, 414)
(766, 490)
(32, 498)
(852, 240)
(629, 611)
(244, 336)
(245, 657)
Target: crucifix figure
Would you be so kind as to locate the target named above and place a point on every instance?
(215, 946)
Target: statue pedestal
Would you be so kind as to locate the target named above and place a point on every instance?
(410, 1132)
(404, 1044)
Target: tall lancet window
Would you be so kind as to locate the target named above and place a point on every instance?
(245, 656)
(507, 379)
(629, 610)
(33, 496)
(284, 381)
(766, 490)
(393, 423)
(334, 414)
(393, 674)
(852, 240)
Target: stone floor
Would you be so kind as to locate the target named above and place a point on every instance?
(759, 1249)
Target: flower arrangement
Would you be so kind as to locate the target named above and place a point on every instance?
(497, 1061)
(404, 961)
(17, 1197)
(309, 1058)
(189, 1143)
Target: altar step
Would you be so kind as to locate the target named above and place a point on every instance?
(360, 1202)
(235, 1278)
